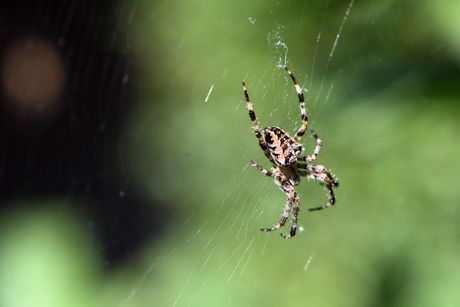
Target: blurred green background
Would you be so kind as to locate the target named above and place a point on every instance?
(385, 106)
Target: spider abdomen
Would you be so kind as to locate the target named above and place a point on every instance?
(283, 148)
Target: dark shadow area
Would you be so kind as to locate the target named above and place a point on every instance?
(67, 88)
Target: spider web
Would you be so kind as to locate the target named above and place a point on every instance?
(233, 251)
(128, 182)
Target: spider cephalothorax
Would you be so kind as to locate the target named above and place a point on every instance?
(285, 152)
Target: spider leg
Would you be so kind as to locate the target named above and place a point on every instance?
(263, 170)
(319, 144)
(303, 112)
(293, 201)
(319, 172)
(252, 115)
(331, 202)
(295, 214)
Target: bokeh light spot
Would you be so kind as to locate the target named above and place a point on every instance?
(32, 76)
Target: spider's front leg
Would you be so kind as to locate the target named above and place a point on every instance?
(330, 189)
(319, 172)
(293, 201)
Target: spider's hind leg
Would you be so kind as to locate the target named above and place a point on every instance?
(303, 111)
(255, 125)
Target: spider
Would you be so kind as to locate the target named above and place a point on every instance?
(285, 153)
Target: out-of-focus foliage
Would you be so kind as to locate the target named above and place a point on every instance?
(386, 111)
